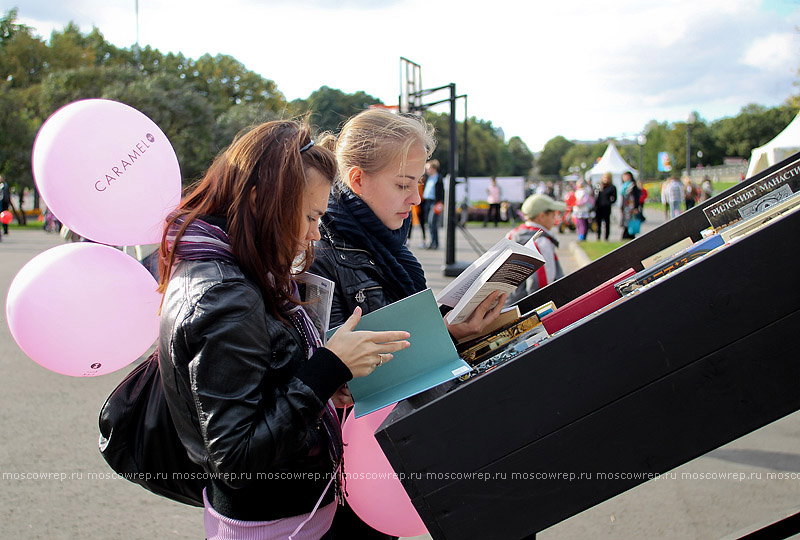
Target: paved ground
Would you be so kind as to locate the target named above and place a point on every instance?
(55, 485)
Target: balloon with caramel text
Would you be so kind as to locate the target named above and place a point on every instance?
(107, 172)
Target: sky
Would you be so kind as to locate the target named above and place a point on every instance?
(536, 69)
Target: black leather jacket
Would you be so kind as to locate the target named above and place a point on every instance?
(358, 280)
(244, 398)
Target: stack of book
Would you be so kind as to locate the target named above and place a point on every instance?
(476, 350)
(670, 264)
(586, 304)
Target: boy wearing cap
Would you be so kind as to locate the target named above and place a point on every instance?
(540, 215)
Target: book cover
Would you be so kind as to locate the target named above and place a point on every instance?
(478, 350)
(317, 291)
(506, 317)
(430, 360)
(648, 275)
(587, 303)
(667, 252)
(744, 228)
(545, 309)
(502, 268)
(755, 198)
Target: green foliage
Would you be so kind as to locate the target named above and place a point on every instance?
(484, 149)
(330, 107)
(185, 117)
(225, 82)
(549, 161)
(486, 154)
(23, 57)
(754, 126)
(237, 118)
(16, 136)
(199, 104)
(520, 158)
(62, 87)
(579, 158)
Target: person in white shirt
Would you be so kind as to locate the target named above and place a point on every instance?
(493, 195)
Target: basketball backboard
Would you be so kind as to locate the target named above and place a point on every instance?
(410, 87)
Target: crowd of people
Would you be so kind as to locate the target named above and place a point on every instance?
(589, 208)
(679, 196)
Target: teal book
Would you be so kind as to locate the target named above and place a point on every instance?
(431, 359)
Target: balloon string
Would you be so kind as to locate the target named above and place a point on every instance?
(316, 506)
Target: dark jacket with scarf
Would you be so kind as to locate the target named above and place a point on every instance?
(370, 265)
(358, 279)
(244, 397)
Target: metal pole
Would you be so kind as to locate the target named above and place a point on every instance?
(641, 161)
(466, 141)
(688, 148)
(450, 248)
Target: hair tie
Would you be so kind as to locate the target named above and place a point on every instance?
(306, 147)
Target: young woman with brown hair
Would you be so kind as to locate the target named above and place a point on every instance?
(249, 385)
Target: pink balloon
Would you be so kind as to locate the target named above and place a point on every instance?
(83, 309)
(107, 171)
(373, 489)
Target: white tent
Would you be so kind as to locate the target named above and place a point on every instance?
(787, 142)
(610, 162)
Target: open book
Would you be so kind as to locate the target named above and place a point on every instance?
(503, 268)
(430, 360)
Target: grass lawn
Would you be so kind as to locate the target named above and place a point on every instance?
(719, 187)
(595, 250)
(31, 224)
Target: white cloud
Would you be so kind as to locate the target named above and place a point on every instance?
(775, 52)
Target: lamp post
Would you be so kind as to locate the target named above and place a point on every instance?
(136, 45)
(689, 121)
(642, 140)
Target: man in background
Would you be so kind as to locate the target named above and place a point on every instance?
(5, 192)
(431, 196)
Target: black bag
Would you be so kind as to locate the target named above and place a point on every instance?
(139, 441)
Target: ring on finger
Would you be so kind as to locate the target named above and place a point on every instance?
(380, 357)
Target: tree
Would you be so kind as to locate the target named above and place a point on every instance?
(550, 159)
(16, 137)
(185, 117)
(656, 134)
(520, 157)
(69, 49)
(754, 126)
(702, 140)
(484, 155)
(330, 107)
(63, 87)
(23, 57)
(485, 149)
(580, 158)
(226, 82)
(238, 118)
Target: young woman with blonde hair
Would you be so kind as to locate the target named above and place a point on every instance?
(381, 159)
